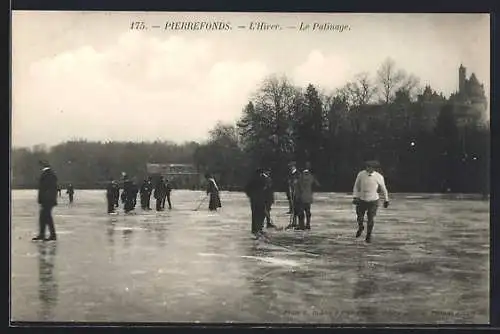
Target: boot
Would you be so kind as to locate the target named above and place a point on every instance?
(360, 230)
(308, 223)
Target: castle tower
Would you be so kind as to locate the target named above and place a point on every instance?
(461, 79)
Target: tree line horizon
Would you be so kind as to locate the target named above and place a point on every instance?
(282, 122)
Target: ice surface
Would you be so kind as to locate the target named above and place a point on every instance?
(428, 263)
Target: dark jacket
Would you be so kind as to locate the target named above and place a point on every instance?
(146, 188)
(255, 189)
(160, 190)
(111, 191)
(47, 188)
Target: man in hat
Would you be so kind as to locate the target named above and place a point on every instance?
(47, 198)
(145, 193)
(257, 191)
(296, 199)
(268, 196)
(129, 195)
(213, 191)
(366, 197)
(71, 192)
(307, 180)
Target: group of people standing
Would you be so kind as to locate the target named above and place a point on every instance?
(366, 190)
(160, 190)
(259, 189)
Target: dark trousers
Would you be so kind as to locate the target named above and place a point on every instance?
(368, 208)
(129, 204)
(307, 212)
(148, 201)
(111, 204)
(267, 208)
(289, 198)
(298, 212)
(159, 204)
(144, 201)
(46, 220)
(258, 215)
(71, 198)
(168, 201)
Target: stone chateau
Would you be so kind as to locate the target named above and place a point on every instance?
(469, 103)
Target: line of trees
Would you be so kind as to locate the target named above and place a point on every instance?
(89, 165)
(282, 122)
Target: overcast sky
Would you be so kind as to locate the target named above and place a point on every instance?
(87, 75)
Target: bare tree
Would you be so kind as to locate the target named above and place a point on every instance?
(361, 89)
(389, 80)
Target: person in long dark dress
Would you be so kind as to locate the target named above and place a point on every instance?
(47, 198)
(213, 191)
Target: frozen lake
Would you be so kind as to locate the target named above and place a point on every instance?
(428, 263)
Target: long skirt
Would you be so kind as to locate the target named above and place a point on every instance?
(214, 202)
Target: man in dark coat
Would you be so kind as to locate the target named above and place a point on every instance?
(71, 192)
(268, 197)
(145, 194)
(255, 190)
(128, 195)
(213, 191)
(160, 193)
(47, 198)
(111, 195)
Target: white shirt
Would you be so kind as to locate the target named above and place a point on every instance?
(367, 185)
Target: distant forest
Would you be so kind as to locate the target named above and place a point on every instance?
(282, 122)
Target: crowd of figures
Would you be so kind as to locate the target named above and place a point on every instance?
(259, 190)
(161, 190)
